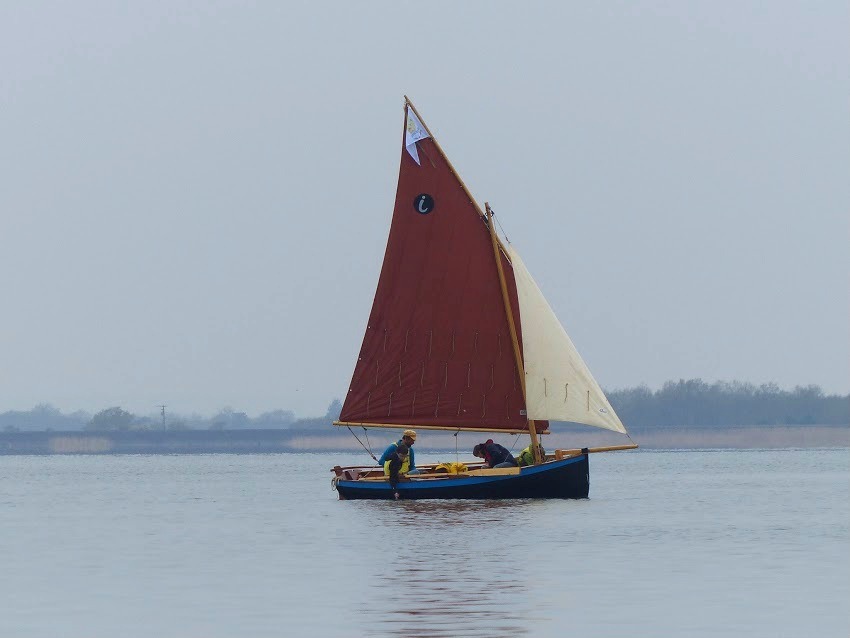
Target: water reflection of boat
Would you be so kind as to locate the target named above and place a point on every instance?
(461, 338)
(431, 602)
(454, 513)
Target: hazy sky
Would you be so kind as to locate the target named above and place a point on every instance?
(195, 196)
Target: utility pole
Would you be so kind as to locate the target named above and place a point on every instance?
(162, 409)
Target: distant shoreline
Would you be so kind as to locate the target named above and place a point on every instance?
(340, 440)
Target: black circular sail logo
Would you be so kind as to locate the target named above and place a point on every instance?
(423, 203)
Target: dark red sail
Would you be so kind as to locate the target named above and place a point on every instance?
(437, 350)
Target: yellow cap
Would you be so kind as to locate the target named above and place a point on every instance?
(410, 433)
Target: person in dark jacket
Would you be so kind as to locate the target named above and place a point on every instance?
(395, 466)
(408, 438)
(494, 455)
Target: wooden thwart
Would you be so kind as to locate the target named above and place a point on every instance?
(484, 471)
(378, 468)
(494, 471)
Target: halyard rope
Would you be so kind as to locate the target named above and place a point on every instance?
(500, 225)
(368, 450)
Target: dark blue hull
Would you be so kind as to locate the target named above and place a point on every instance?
(568, 478)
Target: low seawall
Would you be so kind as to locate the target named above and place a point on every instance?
(181, 442)
(336, 440)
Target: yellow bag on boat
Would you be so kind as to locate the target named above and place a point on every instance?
(450, 468)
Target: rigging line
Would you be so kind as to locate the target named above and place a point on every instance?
(366, 434)
(368, 451)
(457, 453)
(499, 222)
(513, 445)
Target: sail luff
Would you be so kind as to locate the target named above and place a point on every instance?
(510, 317)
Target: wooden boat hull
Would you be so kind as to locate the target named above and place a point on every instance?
(567, 478)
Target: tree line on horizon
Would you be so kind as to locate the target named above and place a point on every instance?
(696, 403)
(683, 403)
(47, 417)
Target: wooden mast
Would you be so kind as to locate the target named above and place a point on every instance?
(532, 430)
(497, 248)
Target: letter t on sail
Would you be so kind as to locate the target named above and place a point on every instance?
(414, 131)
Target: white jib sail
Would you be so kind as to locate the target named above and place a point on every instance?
(558, 384)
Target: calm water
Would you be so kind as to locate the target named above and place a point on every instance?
(691, 543)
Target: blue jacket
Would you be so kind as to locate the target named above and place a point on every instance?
(390, 452)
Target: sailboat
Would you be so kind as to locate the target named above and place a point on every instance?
(461, 338)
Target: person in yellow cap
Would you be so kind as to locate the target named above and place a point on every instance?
(408, 438)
